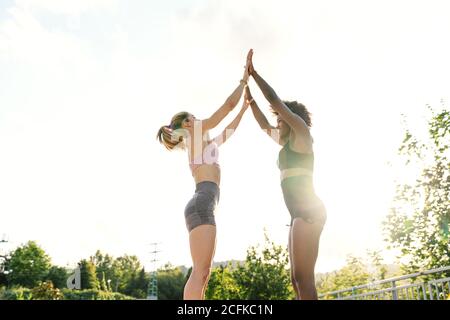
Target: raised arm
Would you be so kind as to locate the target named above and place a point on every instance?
(225, 109)
(231, 128)
(261, 118)
(229, 104)
(257, 113)
(293, 120)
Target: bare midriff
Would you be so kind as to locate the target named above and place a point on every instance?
(207, 172)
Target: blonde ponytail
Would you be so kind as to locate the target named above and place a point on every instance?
(169, 135)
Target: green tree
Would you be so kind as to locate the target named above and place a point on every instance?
(264, 275)
(104, 267)
(222, 284)
(418, 222)
(377, 262)
(354, 273)
(58, 277)
(171, 281)
(124, 274)
(4, 260)
(137, 285)
(124, 268)
(88, 275)
(103, 283)
(28, 265)
(3, 280)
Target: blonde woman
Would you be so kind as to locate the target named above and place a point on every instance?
(192, 135)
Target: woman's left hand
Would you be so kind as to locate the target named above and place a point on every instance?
(247, 95)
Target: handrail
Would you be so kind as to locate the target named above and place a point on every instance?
(394, 279)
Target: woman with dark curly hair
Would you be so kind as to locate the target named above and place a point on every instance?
(296, 164)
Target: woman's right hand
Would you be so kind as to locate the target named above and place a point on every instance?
(246, 75)
(247, 72)
(249, 64)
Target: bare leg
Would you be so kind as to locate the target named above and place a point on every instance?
(305, 248)
(294, 284)
(202, 242)
(209, 273)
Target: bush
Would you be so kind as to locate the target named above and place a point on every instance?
(92, 294)
(42, 293)
(46, 291)
(16, 294)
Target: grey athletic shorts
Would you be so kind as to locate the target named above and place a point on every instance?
(200, 209)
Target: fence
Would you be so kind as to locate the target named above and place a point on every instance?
(399, 288)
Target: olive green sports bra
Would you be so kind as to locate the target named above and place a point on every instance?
(288, 159)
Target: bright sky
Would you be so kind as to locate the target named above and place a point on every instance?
(85, 85)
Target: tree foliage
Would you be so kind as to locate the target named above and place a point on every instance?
(354, 273)
(88, 275)
(28, 265)
(58, 276)
(264, 275)
(418, 222)
(171, 281)
(46, 291)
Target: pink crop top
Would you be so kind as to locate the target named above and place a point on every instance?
(210, 155)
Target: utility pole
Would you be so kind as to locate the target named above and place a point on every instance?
(4, 257)
(153, 283)
(4, 239)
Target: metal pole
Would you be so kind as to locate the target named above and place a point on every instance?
(394, 291)
(153, 283)
(4, 257)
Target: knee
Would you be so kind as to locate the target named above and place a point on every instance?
(202, 273)
(304, 279)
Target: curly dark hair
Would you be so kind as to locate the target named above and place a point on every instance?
(299, 109)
